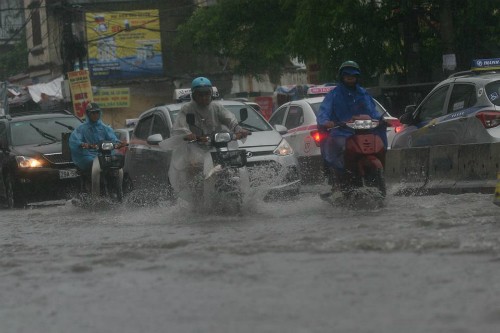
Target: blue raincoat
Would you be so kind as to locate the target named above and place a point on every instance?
(91, 133)
(339, 105)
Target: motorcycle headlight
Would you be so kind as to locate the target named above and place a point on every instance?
(283, 149)
(28, 162)
(222, 137)
(107, 146)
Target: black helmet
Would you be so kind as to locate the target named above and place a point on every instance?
(349, 67)
(92, 107)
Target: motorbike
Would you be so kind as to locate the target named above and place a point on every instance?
(364, 160)
(106, 176)
(218, 182)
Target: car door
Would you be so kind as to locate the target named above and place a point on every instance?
(138, 152)
(3, 154)
(159, 160)
(452, 128)
(294, 120)
(427, 132)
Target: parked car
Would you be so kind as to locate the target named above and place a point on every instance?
(299, 118)
(463, 109)
(32, 163)
(271, 163)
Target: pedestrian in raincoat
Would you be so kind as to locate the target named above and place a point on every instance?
(341, 104)
(91, 132)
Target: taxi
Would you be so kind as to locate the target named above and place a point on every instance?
(299, 118)
(463, 109)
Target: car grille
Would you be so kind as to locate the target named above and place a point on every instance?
(263, 172)
(58, 158)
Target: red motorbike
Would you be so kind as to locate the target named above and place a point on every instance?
(364, 159)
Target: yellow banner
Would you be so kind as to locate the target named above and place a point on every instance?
(81, 91)
(112, 97)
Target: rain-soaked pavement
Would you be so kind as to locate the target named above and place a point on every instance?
(420, 264)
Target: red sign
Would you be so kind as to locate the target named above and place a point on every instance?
(266, 105)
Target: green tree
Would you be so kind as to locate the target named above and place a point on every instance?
(15, 61)
(405, 38)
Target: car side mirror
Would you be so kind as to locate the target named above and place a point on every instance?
(407, 117)
(281, 129)
(154, 139)
(190, 119)
(243, 114)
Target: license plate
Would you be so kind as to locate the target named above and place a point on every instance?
(68, 173)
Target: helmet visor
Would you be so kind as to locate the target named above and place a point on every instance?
(350, 71)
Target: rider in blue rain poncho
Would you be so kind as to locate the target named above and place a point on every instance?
(340, 105)
(92, 132)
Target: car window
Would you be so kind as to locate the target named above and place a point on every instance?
(433, 106)
(493, 92)
(463, 96)
(141, 131)
(41, 131)
(315, 107)
(160, 127)
(295, 117)
(254, 122)
(278, 116)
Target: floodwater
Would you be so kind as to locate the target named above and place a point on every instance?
(420, 264)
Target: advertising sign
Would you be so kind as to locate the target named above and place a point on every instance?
(112, 97)
(124, 45)
(266, 105)
(81, 91)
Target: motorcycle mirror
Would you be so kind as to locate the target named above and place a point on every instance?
(190, 119)
(243, 114)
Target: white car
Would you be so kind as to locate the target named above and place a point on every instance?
(299, 118)
(272, 164)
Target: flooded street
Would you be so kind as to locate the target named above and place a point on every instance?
(420, 264)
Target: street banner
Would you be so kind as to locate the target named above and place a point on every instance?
(112, 97)
(124, 44)
(81, 91)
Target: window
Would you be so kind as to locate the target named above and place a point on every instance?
(160, 127)
(493, 92)
(463, 96)
(278, 116)
(295, 117)
(36, 23)
(142, 129)
(433, 106)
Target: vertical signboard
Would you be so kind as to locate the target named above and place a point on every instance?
(124, 45)
(81, 91)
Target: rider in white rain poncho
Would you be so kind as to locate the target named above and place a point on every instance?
(188, 159)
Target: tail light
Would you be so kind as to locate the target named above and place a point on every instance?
(318, 136)
(396, 124)
(489, 119)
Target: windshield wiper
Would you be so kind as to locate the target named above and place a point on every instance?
(44, 134)
(63, 124)
(250, 127)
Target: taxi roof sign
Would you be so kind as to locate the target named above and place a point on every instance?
(485, 64)
(181, 95)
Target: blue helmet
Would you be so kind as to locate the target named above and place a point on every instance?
(201, 82)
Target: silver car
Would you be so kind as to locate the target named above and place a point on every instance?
(272, 164)
(463, 109)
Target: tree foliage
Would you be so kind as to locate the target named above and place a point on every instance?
(405, 38)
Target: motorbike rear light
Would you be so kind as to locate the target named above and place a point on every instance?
(396, 124)
(489, 119)
(318, 136)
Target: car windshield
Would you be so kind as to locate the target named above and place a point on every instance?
(315, 107)
(254, 122)
(493, 92)
(41, 131)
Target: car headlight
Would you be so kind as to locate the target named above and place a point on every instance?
(28, 162)
(283, 149)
